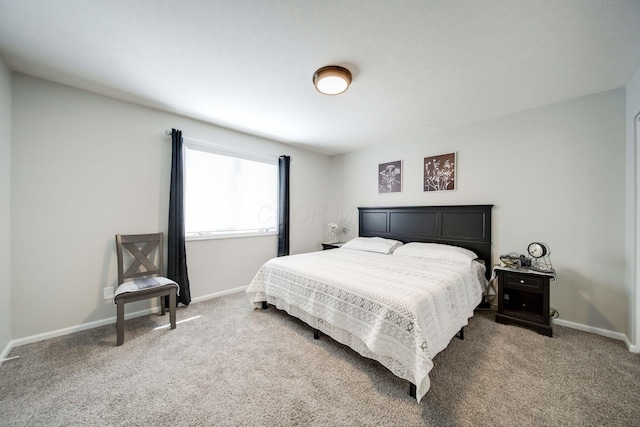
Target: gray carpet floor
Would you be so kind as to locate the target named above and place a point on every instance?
(231, 365)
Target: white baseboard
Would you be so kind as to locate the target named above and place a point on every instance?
(102, 322)
(5, 352)
(599, 331)
(632, 348)
(219, 294)
(81, 327)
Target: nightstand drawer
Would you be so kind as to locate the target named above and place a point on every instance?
(519, 281)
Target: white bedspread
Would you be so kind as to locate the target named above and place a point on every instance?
(400, 311)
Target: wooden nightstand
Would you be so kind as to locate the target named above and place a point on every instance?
(331, 245)
(523, 299)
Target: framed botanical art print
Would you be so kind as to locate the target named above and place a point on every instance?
(390, 177)
(439, 172)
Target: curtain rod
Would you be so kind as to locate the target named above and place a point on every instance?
(225, 148)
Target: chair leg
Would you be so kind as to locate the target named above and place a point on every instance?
(120, 322)
(172, 308)
(163, 300)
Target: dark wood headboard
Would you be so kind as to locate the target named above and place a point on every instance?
(467, 226)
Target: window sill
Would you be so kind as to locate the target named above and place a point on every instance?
(231, 235)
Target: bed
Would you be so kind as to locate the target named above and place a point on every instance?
(400, 308)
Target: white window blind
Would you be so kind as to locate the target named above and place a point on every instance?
(228, 192)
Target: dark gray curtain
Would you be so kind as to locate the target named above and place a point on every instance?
(177, 256)
(283, 205)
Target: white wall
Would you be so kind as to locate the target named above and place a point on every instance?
(554, 174)
(5, 203)
(86, 167)
(633, 209)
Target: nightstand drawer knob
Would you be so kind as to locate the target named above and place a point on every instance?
(522, 281)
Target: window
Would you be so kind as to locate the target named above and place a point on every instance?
(229, 193)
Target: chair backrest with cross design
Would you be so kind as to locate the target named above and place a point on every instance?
(143, 256)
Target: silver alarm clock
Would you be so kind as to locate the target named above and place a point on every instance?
(540, 254)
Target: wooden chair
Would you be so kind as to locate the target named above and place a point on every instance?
(146, 284)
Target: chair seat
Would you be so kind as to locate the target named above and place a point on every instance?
(146, 285)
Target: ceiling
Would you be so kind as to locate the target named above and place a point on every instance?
(419, 66)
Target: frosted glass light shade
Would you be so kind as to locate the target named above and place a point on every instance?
(332, 80)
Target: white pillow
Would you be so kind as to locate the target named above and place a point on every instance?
(372, 244)
(436, 251)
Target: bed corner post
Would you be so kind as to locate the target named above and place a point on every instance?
(412, 390)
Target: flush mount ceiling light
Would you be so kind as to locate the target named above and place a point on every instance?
(332, 80)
